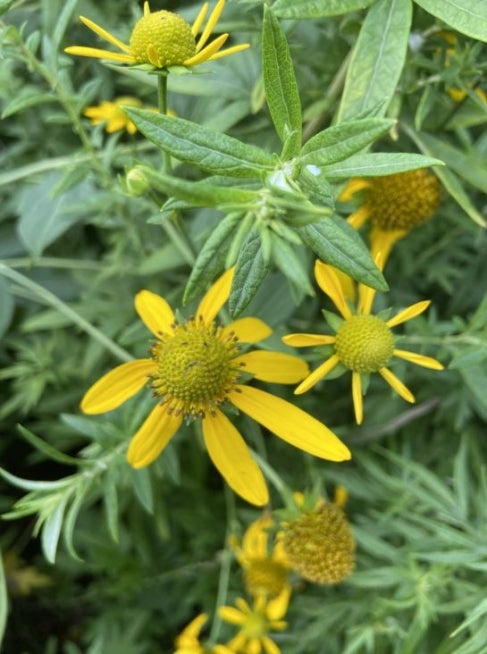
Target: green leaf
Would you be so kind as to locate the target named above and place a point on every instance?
(7, 305)
(72, 517)
(377, 164)
(49, 450)
(280, 84)
(378, 57)
(200, 146)
(251, 268)
(293, 267)
(30, 485)
(51, 530)
(3, 601)
(4, 7)
(27, 97)
(341, 141)
(143, 488)
(317, 8)
(466, 16)
(110, 502)
(210, 260)
(334, 241)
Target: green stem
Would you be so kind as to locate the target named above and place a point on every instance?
(282, 488)
(162, 103)
(45, 296)
(52, 262)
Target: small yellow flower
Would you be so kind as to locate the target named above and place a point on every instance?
(364, 343)
(188, 641)
(162, 39)
(394, 204)
(265, 573)
(256, 623)
(196, 366)
(319, 545)
(22, 579)
(113, 115)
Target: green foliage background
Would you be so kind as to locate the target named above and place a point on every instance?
(133, 556)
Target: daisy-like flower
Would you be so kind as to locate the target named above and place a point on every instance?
(162, 39)
(113, 115)
(363, 343)
(256, 623)
(265, 571)
(188, 641)
(394, 204)
(195, 366)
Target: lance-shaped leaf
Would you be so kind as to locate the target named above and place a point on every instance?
(280, 85)
(251, 268)
(378, 57)
(377, 164)
(317, 8)
(334, 241)
(206, 148)
(198, 194)
(341, 141)
(466, 16)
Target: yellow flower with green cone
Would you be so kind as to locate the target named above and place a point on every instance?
(162, 39)
(112, 114)
(364, 343)
(195, 367)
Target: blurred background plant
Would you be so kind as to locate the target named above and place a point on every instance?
(100, 558)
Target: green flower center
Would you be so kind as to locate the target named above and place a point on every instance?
(256, 625)
(265, 577)
(162, 39)
(195, 372)
(364, 343)
(404, 200)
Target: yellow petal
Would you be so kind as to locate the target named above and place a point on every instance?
(289, 423)
(196, 26)
(383, 240)
(232, 615)
(419, 359)
(117, 386)
(96, 53)
(153, 436)
(409, 313)
(359, 217)
(255, 540)
(229, 51)
(212, 21)
(269, 645)
(231, 456)
(192, 630)
(208, 52)
(274, 367)
(216, 297)
(277, 607)
(110, 38)
(155, 313)
(308, 340)
(366, 299)
(397, 385)
(248, 330)
(329, 283)
(357, 397)
(354, 185)
(316, 375)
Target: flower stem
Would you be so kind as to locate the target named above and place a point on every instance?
(162, 104)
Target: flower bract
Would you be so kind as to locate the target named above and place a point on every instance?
(197, 366)
(364, 343)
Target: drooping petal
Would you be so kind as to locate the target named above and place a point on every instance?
(277, 607)
(248, 330)
(212, 21)
(354, 185)
(289, 423)
(110, 38)
(255, 540)
(270, 646)
(153, 436)
(96, 53)
(357, 397)
(232, 615)
(408, 313)
(316, 375)
(216, 297)
(419, 359)
(359, 217)
(117, 386)
(308, 340)
(366, 299)
(231, 456)
(208, 52)
(155, 313)
(274, 367)
(230, 51)
(330, 284)
(383, 240)
(397, 385)
(196, 26)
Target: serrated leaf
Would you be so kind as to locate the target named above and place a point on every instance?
(341, 141)
(206, 148)
(51, 530)
(210, 260)
(378, 57)
(317, 8)
(466, 16)
(250, 270)
(280, 84)
(377, 164)
(335, 242)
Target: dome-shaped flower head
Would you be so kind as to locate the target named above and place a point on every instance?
(363, 343)
(162, 39)
(394, 204)
(197, 366)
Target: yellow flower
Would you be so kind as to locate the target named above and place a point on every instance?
(188, 641)
(162, 39)
(113, 115)
(255, 623)
(264, 573)
(194, 367)
(394, 204)
(363, 343)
